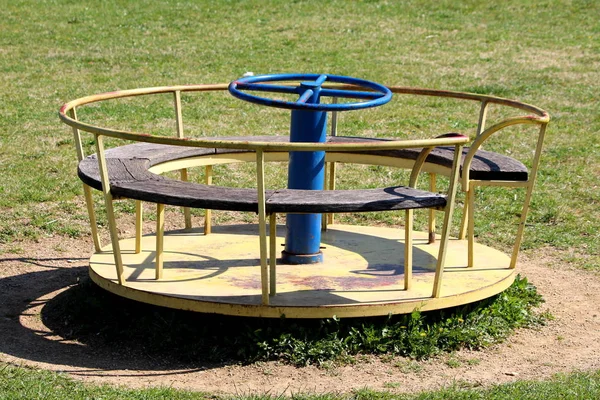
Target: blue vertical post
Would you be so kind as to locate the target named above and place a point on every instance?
(306, 171)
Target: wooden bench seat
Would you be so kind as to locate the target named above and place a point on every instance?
(130, 163)
(486, 165)
(130, 177)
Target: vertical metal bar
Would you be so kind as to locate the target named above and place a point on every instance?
(110, 212)
(89, 201)
(77, 137)
(273, 253)
(138, 226)
(208, 174)
(325, 220)
(408, 249)
(467, 223)
(334, 118)
(432, 188)
(408, 225)
(262, 225)
(482, 116)
(332, 169)
(471, 224)
(332, 173)
(462, 233)
(160, 238)
(533, 175)
(178, 114)
(448, 210)
(187, 215)
(87, 191)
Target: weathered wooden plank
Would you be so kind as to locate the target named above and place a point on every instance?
(156, 153)
(129, 176)
(486, 165)
(131, 162)
(188, 194)
(119, 170)
(357, 200)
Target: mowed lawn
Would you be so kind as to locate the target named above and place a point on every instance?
(545, 53)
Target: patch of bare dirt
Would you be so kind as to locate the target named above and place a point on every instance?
(46, 268)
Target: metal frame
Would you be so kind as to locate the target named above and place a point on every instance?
(536, 116)
(264, 150)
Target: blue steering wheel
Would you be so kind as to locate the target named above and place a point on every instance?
(310, 91)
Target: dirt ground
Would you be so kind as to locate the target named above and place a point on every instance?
(42, 270)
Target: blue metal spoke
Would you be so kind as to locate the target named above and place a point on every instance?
(259, 87)
(320, 80)
(351, 94)
(305, 96)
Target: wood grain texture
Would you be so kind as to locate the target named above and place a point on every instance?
(357, 200)
(486, 165)
(129, 176)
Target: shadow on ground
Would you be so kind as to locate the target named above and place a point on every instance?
(85, 326)
(57, 315)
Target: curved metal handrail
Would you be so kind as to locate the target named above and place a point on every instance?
(66, 114)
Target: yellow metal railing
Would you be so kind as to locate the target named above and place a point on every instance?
(536, 116)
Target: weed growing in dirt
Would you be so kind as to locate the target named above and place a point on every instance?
(24, 383)
(98, 318)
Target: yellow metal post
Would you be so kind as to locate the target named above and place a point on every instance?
(187, 214)
(138, 226)
(208, 174)
(448, 210)
(408, 249)
(534, 168)
(183, 172)
(89, 201)
(329, 185)
(432, 188)
(408, 229)
(87, 192)
(462, 233)
(262, 225)
(331, 175)
(325, 217)
(160, 232)
(482, 117)
(329, 218)
(273, 253)
(464, 223)
(471, 223)
(110, 212)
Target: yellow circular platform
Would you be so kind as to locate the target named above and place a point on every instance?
(362, 274)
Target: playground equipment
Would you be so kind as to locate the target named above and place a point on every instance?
(325, 269)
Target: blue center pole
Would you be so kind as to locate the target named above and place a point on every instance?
(309, 117)
(306, 171)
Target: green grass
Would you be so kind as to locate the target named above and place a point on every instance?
(94, 317)
(23, 383)
(544, 52)
(51, 56)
